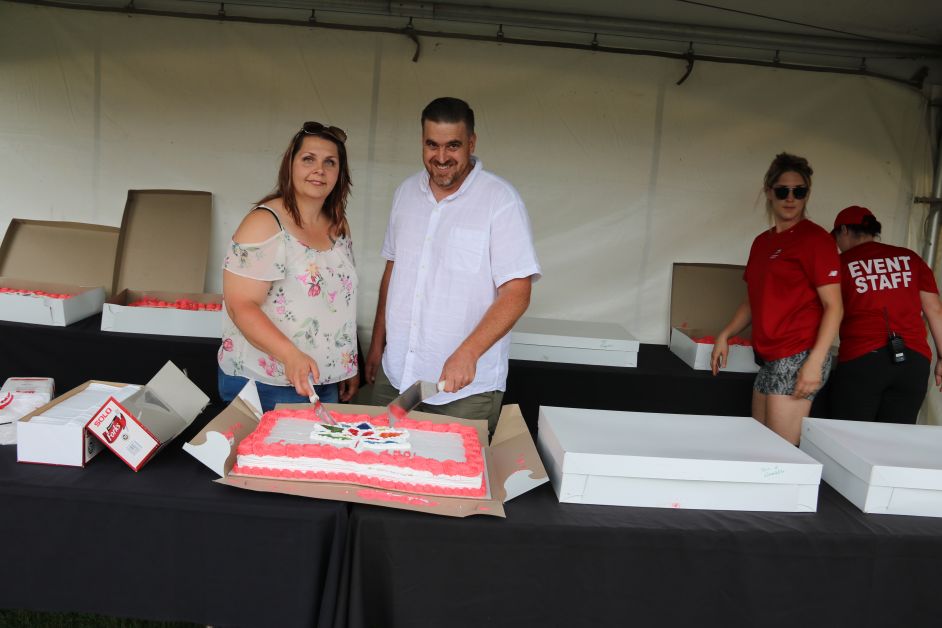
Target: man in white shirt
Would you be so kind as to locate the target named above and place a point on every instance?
(460, 263)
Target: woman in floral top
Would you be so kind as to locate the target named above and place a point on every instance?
(289, 282)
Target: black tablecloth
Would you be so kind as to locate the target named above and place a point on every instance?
(165, 543)
(75, 354)
(661, 382)
(551, 564)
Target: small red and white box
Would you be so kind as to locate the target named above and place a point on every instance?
(136, 428)
(18, 397)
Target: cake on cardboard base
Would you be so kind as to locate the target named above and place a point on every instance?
(415, 456)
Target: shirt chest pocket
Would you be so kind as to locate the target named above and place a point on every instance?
(466, 249)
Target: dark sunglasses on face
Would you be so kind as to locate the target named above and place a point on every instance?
(314, 128)
(799, 192)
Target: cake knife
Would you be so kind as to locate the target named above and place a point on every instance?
(412, 397)
(319, 408)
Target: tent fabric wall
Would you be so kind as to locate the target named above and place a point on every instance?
(623, 171)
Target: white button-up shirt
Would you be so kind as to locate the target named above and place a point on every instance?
(449, 259)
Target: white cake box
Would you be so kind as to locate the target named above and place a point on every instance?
(117, 315)
(513, 465)
(574, 342)
(879, 467)
(704, 298)
(162, 409)
(43, 310)
(58, 258)
(162, 253)
(674, 461)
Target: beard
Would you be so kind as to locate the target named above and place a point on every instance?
(444, 179)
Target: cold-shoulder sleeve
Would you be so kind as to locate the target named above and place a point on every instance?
(264, 261)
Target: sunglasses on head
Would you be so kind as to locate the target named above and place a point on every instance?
(799, 192)
(315, 128)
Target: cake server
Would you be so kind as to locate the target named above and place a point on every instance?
(412, 397)
(319, 408)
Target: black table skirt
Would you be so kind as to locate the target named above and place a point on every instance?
(165, 543)
(551, 564)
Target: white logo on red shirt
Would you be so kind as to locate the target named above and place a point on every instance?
(833, 273)
(886, 273)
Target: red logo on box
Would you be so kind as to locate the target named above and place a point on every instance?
(114, 428)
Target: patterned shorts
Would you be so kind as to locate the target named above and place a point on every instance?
(779, 377)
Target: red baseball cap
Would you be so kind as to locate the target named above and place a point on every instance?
(852, 215)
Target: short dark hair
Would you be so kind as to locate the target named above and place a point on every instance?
(451, 111)
(869, 225)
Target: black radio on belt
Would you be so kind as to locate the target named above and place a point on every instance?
(897, 348)
(895, 345)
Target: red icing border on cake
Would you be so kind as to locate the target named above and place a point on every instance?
(254, 444)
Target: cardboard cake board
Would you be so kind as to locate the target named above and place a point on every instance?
(704, 298)
(57, 258)
(882, 468)
(574, 342)
(163, 250)
(512, 463)
(674, 461)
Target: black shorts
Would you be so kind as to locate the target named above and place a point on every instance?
(874, 388)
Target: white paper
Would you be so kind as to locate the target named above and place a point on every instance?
(80, 408)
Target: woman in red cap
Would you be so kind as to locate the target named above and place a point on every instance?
(884, 360)
(793, 303)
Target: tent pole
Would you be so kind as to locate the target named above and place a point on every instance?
(934, 219)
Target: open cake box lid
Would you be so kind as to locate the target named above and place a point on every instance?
(164, 243)
(704, 297)
(63, 253)
(513, 465)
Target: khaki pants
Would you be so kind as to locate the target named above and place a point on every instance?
(479, 406)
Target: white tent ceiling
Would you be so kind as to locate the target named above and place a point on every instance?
(894, 40)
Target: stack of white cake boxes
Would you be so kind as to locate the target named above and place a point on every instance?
(735, 463)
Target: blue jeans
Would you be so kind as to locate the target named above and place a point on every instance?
(269, 395)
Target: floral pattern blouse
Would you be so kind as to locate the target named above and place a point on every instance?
(312, 301)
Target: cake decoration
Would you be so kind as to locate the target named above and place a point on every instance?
(23, 292)
(179, 304)
(415, 456)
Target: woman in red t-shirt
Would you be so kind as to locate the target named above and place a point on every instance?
(884, 360)
(793, 303)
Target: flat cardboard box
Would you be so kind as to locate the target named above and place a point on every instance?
(573, 342)
(163, 249)
(57, 257)
(117, 315)
(882, 468)
(704, 298)
(140, 426)
(47, 310)
(674, 461)
(513, 465)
